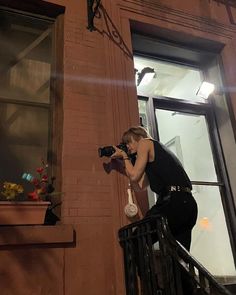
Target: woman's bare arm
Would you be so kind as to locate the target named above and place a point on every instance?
(136, 173)
(141, 185)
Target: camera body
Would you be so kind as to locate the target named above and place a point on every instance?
(107, 151)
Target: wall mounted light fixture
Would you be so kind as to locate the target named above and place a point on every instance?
(145, 76)
(205, 89)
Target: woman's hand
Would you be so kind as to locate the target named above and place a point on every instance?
(118, 154)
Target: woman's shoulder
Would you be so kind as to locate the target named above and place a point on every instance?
(146, 142)
(147, 139)
(148, 145)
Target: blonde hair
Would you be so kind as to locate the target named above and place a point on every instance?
(136, 132)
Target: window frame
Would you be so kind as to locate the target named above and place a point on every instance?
(205, 109)
(55, 14)
(197, 59)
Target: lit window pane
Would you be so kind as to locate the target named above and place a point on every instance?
(25, 57)
(187, 136)
(23, 140)
(210, 241)
(170, 80)
(142, 106)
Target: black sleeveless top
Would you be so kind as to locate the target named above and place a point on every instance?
(165, 170)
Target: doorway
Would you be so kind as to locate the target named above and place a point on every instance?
(172, 110)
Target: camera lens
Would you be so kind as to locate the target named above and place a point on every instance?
(100, 152)
(106, 151)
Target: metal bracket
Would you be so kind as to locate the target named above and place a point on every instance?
(229, 4)
(92, 6)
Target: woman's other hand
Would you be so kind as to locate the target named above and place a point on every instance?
(118, 154)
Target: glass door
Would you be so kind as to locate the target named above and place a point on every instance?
(174, 113)
(187, 135)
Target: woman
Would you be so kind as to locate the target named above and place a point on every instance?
(158, 167)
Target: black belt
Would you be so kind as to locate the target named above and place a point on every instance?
(178, 188)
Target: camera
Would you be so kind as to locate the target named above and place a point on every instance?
(107, 151)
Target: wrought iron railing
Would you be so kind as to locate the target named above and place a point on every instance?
(170, 270)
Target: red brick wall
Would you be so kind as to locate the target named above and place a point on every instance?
(99, 104)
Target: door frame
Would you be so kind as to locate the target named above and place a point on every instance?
(206, 109)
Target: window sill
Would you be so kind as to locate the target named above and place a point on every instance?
(56, 235)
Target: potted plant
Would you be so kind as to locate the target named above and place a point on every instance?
(16, 208)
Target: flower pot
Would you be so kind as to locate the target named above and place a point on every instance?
(22, 213)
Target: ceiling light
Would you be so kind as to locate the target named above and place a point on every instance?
(205, 90)
(145, 76)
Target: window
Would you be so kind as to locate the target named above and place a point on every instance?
(25, 96)
(184, 122)
(169, 79)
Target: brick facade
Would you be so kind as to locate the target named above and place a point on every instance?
(99, 102)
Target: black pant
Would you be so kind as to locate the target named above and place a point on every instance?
(181, 213)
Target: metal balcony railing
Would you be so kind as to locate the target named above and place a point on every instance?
(166, 271)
